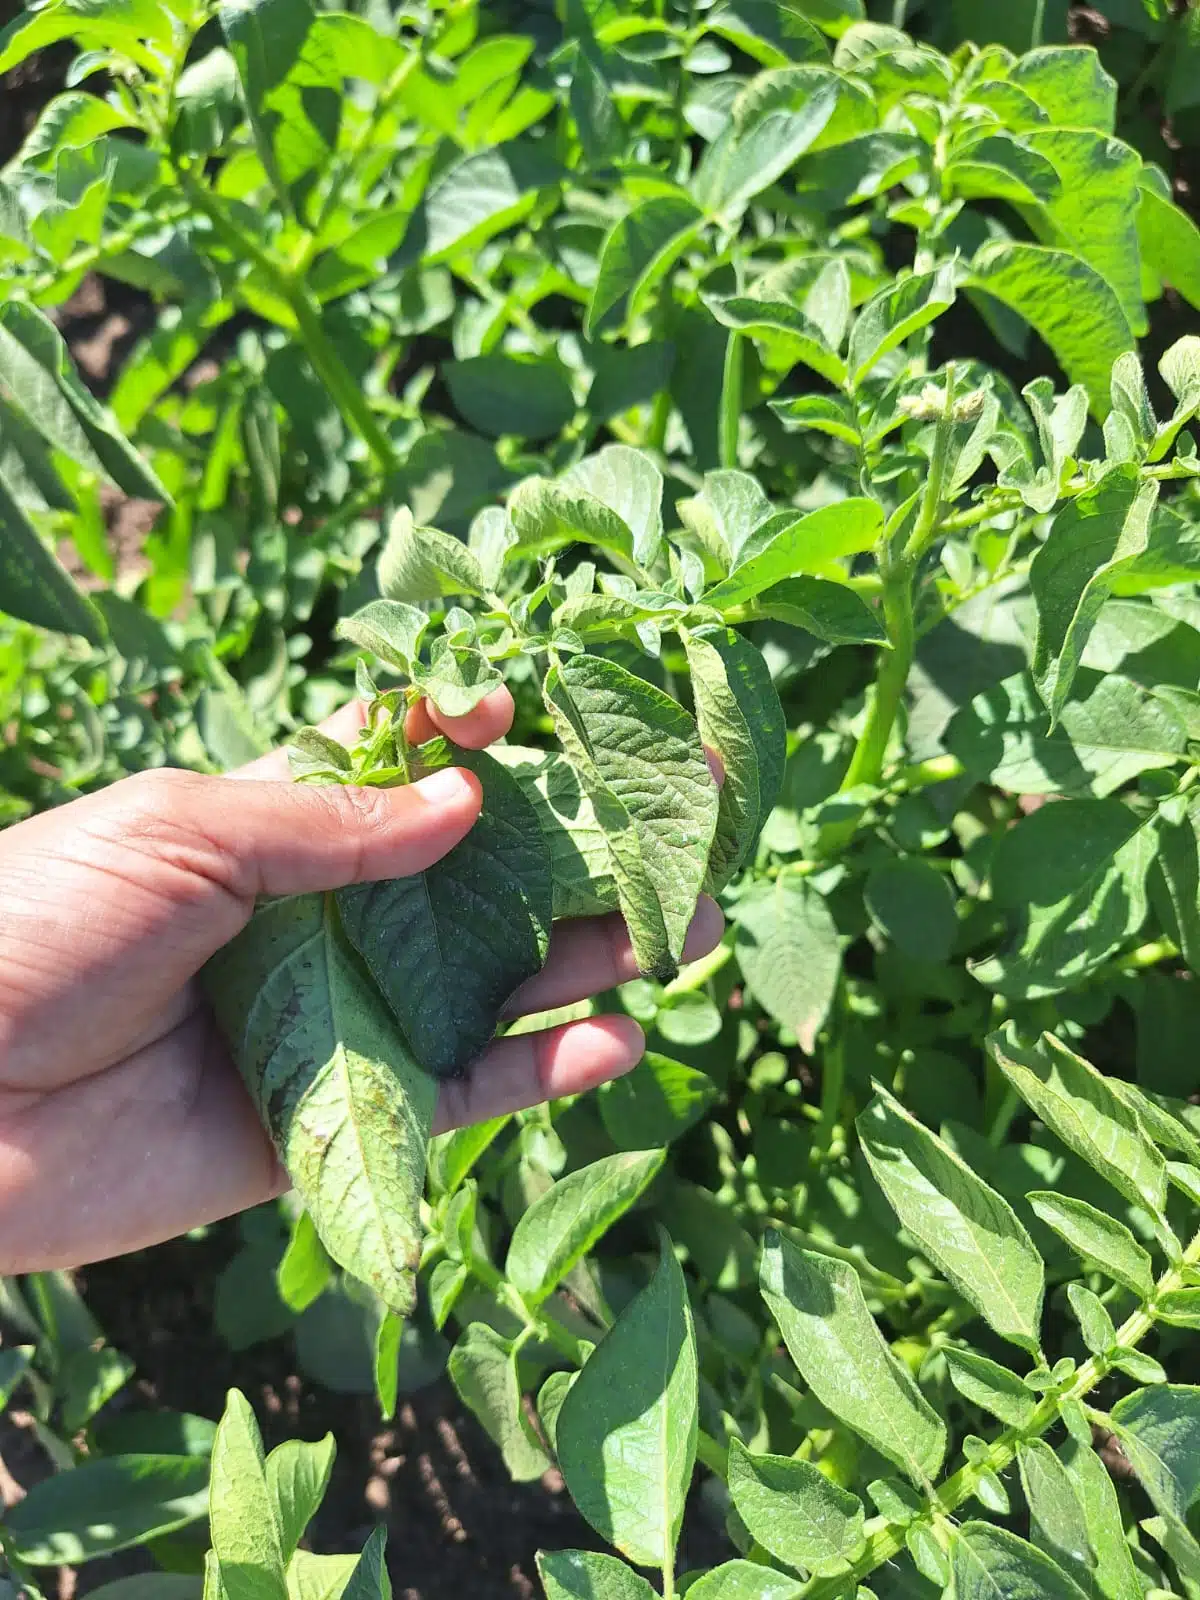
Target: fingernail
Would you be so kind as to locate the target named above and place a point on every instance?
(450, 786)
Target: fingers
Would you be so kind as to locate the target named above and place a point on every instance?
(490, 720)
(531, 1067)
(279, 838)
(593, 954)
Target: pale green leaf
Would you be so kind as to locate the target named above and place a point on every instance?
(245, 1517)
(895, 313)
(774, 120)
(790, 953)
(348, 1108)
(967, 1230)
(418, 563)
(1066, 302)
(1058, 1526)
(297, 1476)
(1098, 1238)
(483, 1369)
(788, 543)
(745, 1580)
(639, 249)
(794, 1511)
(840, 1353)
(1078, 1104)
(566, 1222)
(985, 1383)
(1090, 543)
(584, 1575)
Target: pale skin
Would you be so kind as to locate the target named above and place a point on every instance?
(123, 1121)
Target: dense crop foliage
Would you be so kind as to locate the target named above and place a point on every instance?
(751, 375)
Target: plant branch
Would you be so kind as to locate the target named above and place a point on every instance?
(327, 363)
(887, 1539)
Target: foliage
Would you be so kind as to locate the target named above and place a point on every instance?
(752, 375)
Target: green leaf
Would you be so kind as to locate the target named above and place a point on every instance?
(788, 334)
(347, 1107)
(508, 394)
(773, 121)
(745, 1580)
(37, 368)
(1115, 1574)
(840, 1353)
(479, 197)
(483, 1369)
(1058, 1526)
(561, 1227)
(1066, 302)
(895, 313)
(449, 945)
(318, 1577)
(790, 953)
(369, 1580)
(626, 1434)
(788, 543)
(822, 607)
(1106, 733)
(389, 629)
(912, 905)
(638, 251)
(583, 1575)
(985, 1383)
(1099, 1239)
(794, 1511)
(580, 867)
(993, 1564)
(120, 26)
(457, 678)
(1069, 84)
(741, 718)
(1169, 239)
(247, 1520)
(1159, 1430)
(106, 1505)
(967, 1230)
(1077, 1103)
(419, 563)
(297, 1477)
(640, 761)
(1092, 540)
(1094, 211)
(772, 32)
(727, 510)
(655, 1103)
(33, 586)
(1073, 878)
(305, 1271)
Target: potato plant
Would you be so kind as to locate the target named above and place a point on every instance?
(753, 376)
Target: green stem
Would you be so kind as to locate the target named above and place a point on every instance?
(327, 364)
(866, 764)
(731, 401)
(886, 1540)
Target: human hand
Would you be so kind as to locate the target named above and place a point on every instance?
(123, 1120)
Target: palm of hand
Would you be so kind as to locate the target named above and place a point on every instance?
(122, 1119)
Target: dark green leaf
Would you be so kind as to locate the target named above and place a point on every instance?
(449, 945)
(794, 1511)
(106, 1505)
(503, 394)
(790, 953)
(626, 1434)
(993, 1564)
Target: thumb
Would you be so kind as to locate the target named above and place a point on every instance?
(280, 838)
